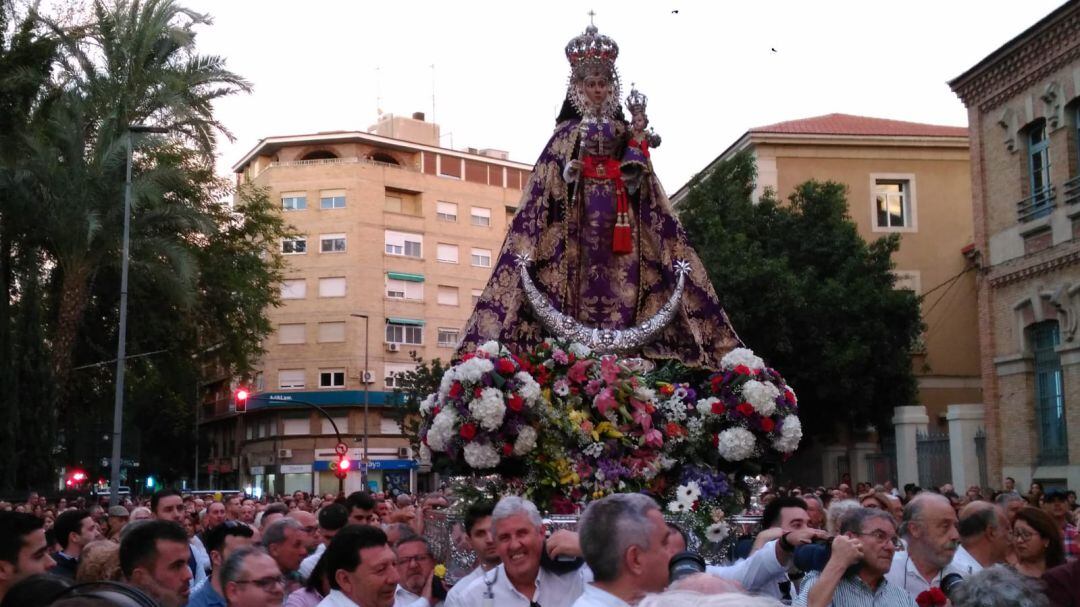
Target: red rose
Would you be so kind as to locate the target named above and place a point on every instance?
(718, 408)
(477, 392)
(468, 356)
(745, 408)
(516, 403)
(455, 389)
(507, 449)
(743, 370)
(505, 366)
(715, 440)
(715, 383)
(467, 431)
(931, 598)
(789, 396)
(767, 424)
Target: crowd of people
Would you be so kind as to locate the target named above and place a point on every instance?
(871, 545)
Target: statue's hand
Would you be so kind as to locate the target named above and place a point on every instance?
(572, 171)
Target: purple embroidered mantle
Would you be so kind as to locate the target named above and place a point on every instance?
(567, 231)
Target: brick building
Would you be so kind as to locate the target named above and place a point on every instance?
(394, 228)
(1023, 105)
(905, 178)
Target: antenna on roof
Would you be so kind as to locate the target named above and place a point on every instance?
(432, 92)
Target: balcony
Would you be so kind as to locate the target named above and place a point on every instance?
(1070, 191)
(349, 160)
(1039, 204)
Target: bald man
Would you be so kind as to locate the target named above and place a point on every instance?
(984, 538)
(310, 526)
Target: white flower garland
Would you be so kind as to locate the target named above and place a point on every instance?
(762, 396)
(790, 434)
(481, 456)
(744, 357)
(442, 429)
(526, 441)
(736, 444)
(489, 409)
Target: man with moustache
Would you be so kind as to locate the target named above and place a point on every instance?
(415, 565)
(930, 529)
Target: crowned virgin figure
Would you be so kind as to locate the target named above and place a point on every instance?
(598, 231)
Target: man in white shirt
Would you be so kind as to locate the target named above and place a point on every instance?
(929, 529)
(480, 537)
(984, 538)
(415, 565)
(626, 545)
(361, 569)
(520, 581)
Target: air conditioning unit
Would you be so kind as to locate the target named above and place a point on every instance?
(367, 377)
(393, 347)
(403, 452)
(284, 453)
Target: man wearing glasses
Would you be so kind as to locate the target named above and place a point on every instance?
(855, 575)
(415, 565)
(221, 542)
(251, 578)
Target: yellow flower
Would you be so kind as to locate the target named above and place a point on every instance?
(440, 571)
(606, 429)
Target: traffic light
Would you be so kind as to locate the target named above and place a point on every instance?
(341, 467)
(241, 400)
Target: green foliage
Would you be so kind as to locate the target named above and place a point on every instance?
(414, 386)
(808, 294)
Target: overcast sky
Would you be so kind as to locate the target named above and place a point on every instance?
(499, 74)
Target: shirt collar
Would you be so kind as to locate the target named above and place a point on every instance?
(404, 594)
(339, 599)
(603, 597)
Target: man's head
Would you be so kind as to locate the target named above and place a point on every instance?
(875, 529)
(310, 526)
(226, 538)
(984, 526)
(815, 511)
(787, 513)
(75, 529)
(284, 540)
(1010, 484)
(360, 564)
(414, 563)
(361, 509)
(247, 513)
(331, 520)
(383, 509)
(1011, 503)
(273, 513)
(624, 538)
(519, 537)
(478, 530)
(1056, 504)
(215, 515)
(232, 507)
(154, 557)
(929, 526)
(168, 505)
(251, 578)
(23, 549)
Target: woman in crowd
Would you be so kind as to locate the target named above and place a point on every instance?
(1038, 542)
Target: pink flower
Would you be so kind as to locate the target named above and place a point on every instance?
(609, 369)
(560, 357)
(641, 415)
(593, 387)
(577, 372)
(653, 438)
(605, 401)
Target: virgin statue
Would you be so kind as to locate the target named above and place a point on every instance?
(598, 231)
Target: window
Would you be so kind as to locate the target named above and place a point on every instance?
(394, 372)
(294, 288)
(399, 333)
(908, 279)
(402, 202)
(332, 199)
(448, 338)
(331, 378)
(1039, 168)
(481, 216)
(293, 201)
(291, 379)
(341, 421)
(446, 211)
(294, 246)
(292, 426)
(331, 332)
(404, 289)
(448, 296)
(403, 243)
(892, 203)
(332, 243)
(476, 293)
(332, 287)
(481, 258)
(1049, 393)
(446, 253)
(293, 333)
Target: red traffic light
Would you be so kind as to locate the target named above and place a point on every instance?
(344, 464)
(341, 469)
(241, 399)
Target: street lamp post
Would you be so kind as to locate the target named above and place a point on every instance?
(121, 345)
(363, 380)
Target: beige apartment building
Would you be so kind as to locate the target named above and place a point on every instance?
(393, 228)
(910, 179)
(1023, 104)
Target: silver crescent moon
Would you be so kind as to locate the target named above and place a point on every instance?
(605, 341)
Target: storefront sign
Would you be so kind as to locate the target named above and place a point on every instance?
(258, 470)
(295, 468)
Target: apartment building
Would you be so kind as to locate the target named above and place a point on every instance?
(396, 238)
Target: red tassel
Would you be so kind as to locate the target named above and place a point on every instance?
(622, 240)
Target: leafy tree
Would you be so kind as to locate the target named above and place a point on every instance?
(807, 293)
(413, 387)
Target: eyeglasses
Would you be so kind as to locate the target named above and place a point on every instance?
(882, 537)
(1022, 536)
(266, 583)
(408, 560)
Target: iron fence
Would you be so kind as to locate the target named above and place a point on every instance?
(935, 466)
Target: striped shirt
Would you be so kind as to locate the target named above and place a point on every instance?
(853, 592)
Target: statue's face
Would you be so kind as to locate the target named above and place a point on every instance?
(597, 88)
(640, 122)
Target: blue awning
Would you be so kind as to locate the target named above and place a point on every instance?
(328, 398)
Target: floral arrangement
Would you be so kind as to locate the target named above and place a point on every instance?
(565, 425)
